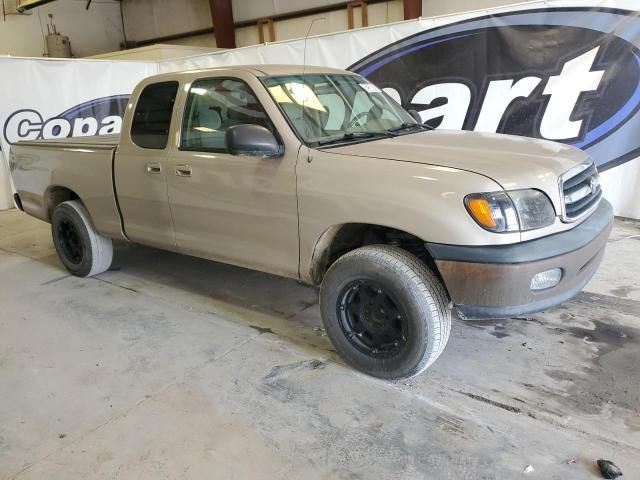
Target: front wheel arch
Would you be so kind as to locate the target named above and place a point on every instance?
(341, 239)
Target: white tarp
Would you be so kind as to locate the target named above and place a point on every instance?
(53, 87)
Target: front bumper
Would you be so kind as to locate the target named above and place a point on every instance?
(495, 281)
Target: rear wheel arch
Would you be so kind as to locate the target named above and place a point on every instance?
(55, 195)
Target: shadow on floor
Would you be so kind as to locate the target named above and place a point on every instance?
(267, 303)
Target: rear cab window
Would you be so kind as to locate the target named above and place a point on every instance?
(152, 116)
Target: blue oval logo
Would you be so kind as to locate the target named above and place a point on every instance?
(566, 74)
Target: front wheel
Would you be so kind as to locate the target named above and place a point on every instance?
(385, 311)
(82, 250)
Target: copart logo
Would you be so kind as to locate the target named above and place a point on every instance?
(95, 117)
(533, 72)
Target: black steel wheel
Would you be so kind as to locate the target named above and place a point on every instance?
(386, 313)
(70, 241)
(372, 318)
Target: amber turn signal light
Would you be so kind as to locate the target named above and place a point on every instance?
(481, 212)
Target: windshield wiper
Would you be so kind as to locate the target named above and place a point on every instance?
(407, 126)
(356, 136)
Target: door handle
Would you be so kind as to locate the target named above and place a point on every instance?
(183, 170)
(154, 168)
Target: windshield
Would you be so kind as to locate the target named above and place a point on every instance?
(326, 109)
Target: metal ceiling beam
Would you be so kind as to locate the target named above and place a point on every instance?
(24, 5)
(412, 9)
(223, 29)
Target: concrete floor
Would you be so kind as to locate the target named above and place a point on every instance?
(174, 367)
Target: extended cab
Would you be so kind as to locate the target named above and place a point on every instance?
(316, 174)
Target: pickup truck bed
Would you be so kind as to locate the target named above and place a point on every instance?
(75, 161)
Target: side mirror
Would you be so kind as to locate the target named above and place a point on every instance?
(252, 140)
(416, 116)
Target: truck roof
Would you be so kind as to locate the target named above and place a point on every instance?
(259, 70)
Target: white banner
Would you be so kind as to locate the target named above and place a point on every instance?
(49, 98)
(566, 71)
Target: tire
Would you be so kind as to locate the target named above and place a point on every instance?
(385, 311)
(82, 250)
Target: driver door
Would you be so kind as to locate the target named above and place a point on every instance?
(235, 209)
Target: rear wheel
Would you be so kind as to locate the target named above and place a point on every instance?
(82, 250)
(386, 313)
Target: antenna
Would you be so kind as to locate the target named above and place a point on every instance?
(304, 68)
(304, 54)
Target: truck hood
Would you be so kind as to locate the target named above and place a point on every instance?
(511, 161)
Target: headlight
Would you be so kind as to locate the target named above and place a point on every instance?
(511, 211)
(534, 209)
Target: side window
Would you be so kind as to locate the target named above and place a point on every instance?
(152, 116)
(214, 105)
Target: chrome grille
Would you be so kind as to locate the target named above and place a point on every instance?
(581, 191)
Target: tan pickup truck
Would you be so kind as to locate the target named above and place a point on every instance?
(316, 174)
